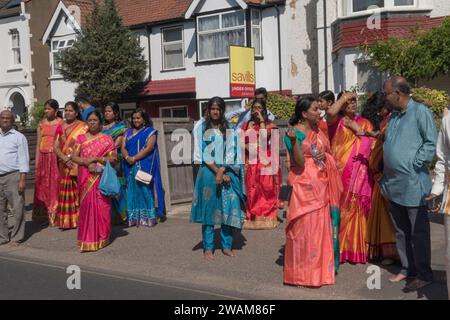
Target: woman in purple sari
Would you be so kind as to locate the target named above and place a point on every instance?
(91, 153)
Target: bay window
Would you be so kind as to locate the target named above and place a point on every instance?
(350, 7)
(217, 32)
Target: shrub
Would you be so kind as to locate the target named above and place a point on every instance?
(283, 107)
(37, 114)
(435, 100)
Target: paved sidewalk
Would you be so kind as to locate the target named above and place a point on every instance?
(171, 253)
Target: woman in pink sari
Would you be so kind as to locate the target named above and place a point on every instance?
(91, 153)
(351, 149)
(316, 189)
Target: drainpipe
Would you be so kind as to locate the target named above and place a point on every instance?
(280, 68)
(149, 32)
(325, 26)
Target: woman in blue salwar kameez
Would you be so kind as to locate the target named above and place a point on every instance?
(219, 193)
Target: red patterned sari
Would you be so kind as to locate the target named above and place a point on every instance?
(262, 190)
(94, 223)
(68, 200)
(45, 203)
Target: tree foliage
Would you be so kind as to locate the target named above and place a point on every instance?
(106, 60)
(422, 56)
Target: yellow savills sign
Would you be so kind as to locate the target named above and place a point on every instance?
(242, 72)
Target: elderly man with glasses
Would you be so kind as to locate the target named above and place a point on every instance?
(14, 165)
(409, 147)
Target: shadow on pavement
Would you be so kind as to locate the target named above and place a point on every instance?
(280, 260)
(437, 290)
(117, 232)
(33, 227)
(239, 241)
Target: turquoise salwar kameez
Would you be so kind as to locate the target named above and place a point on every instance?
(222, 205)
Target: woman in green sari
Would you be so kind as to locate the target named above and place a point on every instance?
(115, 128)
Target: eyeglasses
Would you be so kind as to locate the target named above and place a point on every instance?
(385, 94)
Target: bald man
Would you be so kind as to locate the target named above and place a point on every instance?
(14, 165)
(409, 148)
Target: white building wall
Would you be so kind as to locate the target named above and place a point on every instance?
(15, 79)
(190, 47)
(143, 37)
(440, 8)
(213, 78)
(268, 69)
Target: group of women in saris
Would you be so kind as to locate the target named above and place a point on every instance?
(71, 156)
(336, 212)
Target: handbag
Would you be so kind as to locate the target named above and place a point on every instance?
(109, 183)
(285, 193)
(142, 176)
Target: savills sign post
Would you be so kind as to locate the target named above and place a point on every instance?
(242, 72)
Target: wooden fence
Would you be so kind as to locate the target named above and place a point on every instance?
(178, 179)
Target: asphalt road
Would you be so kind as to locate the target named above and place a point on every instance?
(26, 279)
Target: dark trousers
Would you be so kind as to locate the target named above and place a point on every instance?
(412, 233)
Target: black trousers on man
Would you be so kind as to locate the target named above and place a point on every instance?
(412, 233)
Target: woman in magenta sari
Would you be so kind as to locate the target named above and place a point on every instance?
(316, 189)
(91, 153)
(351, 149)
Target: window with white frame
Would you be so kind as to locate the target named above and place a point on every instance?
(174, 112)
(369, 78)
(15, 47)
(58, 46)
(359, 6)
(173, 48)
(217, 32)
(256, 32)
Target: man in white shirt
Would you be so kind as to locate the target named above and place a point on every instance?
(244, 115)
(441, 183)
(14, 166)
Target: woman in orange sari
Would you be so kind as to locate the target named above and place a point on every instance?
(45, 203)
(351, 150)
(262, 189)
(380, 236)
(66, 137)
(91, 153)
(316, 189)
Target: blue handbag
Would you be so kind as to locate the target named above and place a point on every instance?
(109, 183)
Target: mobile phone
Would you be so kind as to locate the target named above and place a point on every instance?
(434, 202)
